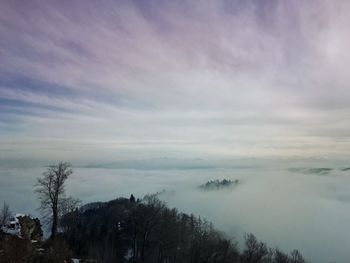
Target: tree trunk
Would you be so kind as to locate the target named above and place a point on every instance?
(54, 223)
(143, 248)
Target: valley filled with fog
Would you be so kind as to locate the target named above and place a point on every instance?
(145, 97)
(288, 204)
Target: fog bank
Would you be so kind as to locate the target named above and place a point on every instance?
(287, 204)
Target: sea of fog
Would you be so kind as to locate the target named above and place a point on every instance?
(286, 204)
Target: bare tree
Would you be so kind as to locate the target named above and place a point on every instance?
(255, 251)
(5, 214)
(51, 192)
(68, 205)
(296, 257)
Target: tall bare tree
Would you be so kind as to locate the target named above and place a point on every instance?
(51, 192)
(5, 214)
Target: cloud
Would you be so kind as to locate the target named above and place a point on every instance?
(287, 209)
(251, 78)
(165, 84)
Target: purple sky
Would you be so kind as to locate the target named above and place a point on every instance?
(134, 79)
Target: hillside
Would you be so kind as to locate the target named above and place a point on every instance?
(125, 230)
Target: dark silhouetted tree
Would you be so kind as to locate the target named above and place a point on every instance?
(51, 192)
(5, 214)
(255, 251)
(296, 257)
(132, 198)
(280, 257)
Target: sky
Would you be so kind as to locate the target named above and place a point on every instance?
(148, 95)
(87, 80)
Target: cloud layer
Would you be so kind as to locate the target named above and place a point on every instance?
(224, 78)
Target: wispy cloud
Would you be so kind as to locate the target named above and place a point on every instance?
(239, 78)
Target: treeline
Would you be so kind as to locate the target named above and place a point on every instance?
(122, 230)
(218, 184)
(126, 230)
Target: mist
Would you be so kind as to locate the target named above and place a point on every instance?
(283, 202)
(146, 96)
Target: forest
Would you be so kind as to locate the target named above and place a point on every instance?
(130, 230)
